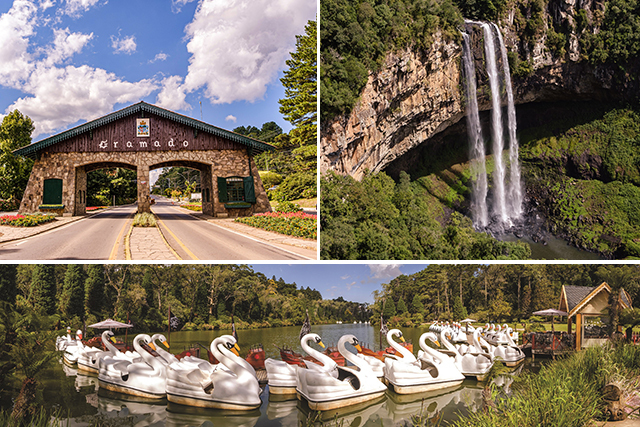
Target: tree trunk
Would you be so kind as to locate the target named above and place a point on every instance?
(24, 407)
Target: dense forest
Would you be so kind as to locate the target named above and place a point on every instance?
(376, 218)
(200, 296)
(496, 293)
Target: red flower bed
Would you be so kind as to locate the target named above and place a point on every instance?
(25, 220)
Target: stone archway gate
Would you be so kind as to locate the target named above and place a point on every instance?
(144, 137)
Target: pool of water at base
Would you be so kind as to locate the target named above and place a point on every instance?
(554, 249)
(78, 397)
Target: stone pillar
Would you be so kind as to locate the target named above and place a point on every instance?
(144, 204)
(262, 201)
(80, 207)
(206, 185)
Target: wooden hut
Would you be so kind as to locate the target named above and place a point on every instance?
(588, 309)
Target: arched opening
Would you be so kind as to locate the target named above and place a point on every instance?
(105, 184)
(184, 181)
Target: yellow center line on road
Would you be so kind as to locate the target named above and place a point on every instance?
(114, 251)
(191, 254)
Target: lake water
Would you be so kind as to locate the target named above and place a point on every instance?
(77, 395)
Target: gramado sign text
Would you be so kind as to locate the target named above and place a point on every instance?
(121, 145)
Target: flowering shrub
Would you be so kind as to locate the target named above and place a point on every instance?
(287, 207)
(296, 224)
(8, 205)
(94, 208)
(26, 220)
(193, 207)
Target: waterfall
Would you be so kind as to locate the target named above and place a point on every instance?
(476, 142)
(499, 208)
(514, 192)
(507, 202)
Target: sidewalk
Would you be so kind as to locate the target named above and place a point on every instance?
(8, 233)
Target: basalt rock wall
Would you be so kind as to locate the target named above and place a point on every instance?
(417, 94)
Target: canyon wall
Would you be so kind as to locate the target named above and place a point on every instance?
(417, 94)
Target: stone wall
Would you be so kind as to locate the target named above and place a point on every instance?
(71, 168)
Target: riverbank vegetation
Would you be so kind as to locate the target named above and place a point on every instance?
(566, 393)
(376, 218)
(495, 293)
(199, 296)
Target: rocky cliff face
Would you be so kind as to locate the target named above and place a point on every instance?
(418, 94)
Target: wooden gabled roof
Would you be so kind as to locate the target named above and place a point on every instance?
(574, 298)
(32, 149)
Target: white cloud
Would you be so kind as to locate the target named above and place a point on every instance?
(46, 4)
(16, 26)
(172, 95)
(75, 8)
(62, 96)
(124, 45)
(65, 45)
(176, 5)
(235, 52)
(160, 57)
(385, 271)
(350, 285)
(230, 118)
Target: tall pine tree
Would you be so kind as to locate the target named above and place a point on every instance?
(72, 298)
(43, 287)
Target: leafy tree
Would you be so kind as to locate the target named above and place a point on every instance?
(73, 295)
(459, 311)
(416, 304)
(402, 306)
(15, 133)
(105, 184)
(44, 287)
(389, 308)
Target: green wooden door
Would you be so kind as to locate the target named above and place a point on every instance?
(52, 192)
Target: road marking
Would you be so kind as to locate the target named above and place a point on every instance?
(114, 251)
(127, 241)
(191, 254)
(266, 243)
(175, 254)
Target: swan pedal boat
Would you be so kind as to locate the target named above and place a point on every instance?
(323, 391)
(232, 384)
(281, 376)
(144, 379)
(432, 370)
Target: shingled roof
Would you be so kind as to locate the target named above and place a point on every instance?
(32, 149)
(574, 297)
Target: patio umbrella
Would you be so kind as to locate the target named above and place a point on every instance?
(110, 324)
(551, 312)
(467, 320)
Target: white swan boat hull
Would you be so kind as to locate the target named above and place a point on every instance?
(423, 387)
(118, 388)
(327, 405)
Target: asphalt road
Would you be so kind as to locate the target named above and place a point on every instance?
(195, 239)
(99, 237)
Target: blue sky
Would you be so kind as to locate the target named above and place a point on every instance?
(354, 282)
(65, 62)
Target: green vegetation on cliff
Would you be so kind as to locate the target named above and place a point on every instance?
(356, 35)
(375, 218)
(587, 181)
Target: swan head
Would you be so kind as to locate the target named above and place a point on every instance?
(161, 338)
(397, 333)
(314, 337)
(351, 339)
